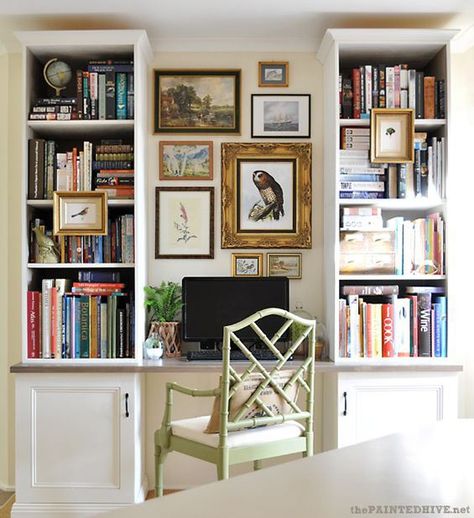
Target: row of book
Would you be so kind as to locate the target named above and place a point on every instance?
(379, 86)
(104, 91)
(108, 167)
(360, 178)
(118, 246)
(375, 322)
(82, 320)
(403, 247)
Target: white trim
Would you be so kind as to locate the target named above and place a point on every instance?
(7, 488)
(463, 41)
(62, 510)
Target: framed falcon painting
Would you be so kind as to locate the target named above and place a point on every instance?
(266, 195)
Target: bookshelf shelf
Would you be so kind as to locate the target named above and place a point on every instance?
(420, 124)
(75, 128)
(370, 278)
(49, 203)
(397, 204)
(79, 266)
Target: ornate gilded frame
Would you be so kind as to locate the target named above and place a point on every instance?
(300, 235)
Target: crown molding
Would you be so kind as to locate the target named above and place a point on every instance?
(464, 41)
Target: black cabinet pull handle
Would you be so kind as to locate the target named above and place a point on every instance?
(344, 412)
(127, 413)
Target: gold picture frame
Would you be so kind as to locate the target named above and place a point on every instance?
(251, 218)
(247, 265)
(273, 73)
(90, 209)
(285, 265)
(391, 135)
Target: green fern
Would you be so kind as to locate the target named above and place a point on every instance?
(163, 302)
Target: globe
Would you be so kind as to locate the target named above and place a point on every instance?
(57, 74)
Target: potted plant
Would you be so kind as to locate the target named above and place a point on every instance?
(164, 303)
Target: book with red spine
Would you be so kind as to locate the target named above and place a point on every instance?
(53, 297)
(368, 331)
(356, 93)
(388, 331)
(33, 312)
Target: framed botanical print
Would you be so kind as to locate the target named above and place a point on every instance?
(186, 160)
(266, 195)
(273, 73)
(391, 134)
(282, 116)
(184, 223)
(197, 101)
(284, 265)
(247, 265)
(80, 213)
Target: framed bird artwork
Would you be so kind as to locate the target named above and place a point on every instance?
(266, 195)
(80, 213)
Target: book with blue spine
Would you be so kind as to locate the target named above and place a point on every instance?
(443, 325)
(436, 329)
(121, 95)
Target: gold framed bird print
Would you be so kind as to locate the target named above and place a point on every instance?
(266, 195)
(80, 213)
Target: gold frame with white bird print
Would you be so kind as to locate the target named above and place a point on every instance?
(90, 207)
(247, 265)
(276, 214)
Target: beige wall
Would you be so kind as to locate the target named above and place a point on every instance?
(305, 77)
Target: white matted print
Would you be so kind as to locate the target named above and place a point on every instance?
(266, 195)
(80, 213)
(281, 115)
(184, 222)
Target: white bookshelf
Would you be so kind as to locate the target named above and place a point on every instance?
(341, 49)
(77, 48)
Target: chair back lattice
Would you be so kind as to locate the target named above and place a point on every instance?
(302, 377)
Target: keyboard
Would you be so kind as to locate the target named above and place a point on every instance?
(204, 355)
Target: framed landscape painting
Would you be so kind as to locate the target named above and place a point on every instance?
(273, 73)
(197, 101)
(284, 265)
(266, 195)
(283, 116)
(184, 226)
(186, 160)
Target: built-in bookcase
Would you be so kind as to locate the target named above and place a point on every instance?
(340, 51)
(77, 49)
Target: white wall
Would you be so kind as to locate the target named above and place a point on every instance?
(305, 77)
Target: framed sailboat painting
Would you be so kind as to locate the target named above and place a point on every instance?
(281, 116)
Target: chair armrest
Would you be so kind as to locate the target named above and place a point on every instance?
(192, 392)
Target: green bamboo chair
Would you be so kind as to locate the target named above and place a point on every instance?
(239, 440)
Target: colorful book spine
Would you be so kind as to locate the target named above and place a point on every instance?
(388, 331)
(33, 308)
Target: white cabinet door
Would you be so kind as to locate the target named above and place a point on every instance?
(77, 437)
(372, 405)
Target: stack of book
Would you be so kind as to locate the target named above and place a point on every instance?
(54, 108)
(355, 138)
(380, 86)
(374, 322)
(116, 247)
(362, 218)
(358, 177)
(85, 320)
(113, 168)
(419, 245)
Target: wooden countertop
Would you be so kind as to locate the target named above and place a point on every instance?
(181, 365)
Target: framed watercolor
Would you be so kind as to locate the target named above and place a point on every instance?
(282, 116)
(266, 195)
(273, 73)
(284, 265)
(184, 223)
(80, 213)
(186, 160)
(392, 133)
(247, 265)
(197, 101)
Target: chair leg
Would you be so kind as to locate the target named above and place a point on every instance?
(309, 445)
(160, 456)
(223, 465)
(257, 464)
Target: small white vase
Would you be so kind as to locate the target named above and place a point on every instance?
(153, 347)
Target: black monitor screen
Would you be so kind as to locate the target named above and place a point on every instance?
(210, 303)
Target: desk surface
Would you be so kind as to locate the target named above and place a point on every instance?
(182, 366)
(432, 466)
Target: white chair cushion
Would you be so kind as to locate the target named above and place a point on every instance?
(193, 429)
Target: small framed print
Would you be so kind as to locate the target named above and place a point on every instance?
(247, 265)
(80, 213)
(391, 135)
(184, 225)
(273, 73)
(186, 160)
(284, 265)
(282, 116)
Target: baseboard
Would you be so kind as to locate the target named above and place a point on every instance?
(62, 510)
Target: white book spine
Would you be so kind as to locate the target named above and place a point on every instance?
(46, 287)
(402, 326)
(390, 86)
(368, 88)
(412, 89)
(354, 335)
(407, 247)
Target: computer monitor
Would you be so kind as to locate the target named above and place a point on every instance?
(210, 303)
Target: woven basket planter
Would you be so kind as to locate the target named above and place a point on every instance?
(169, 332)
